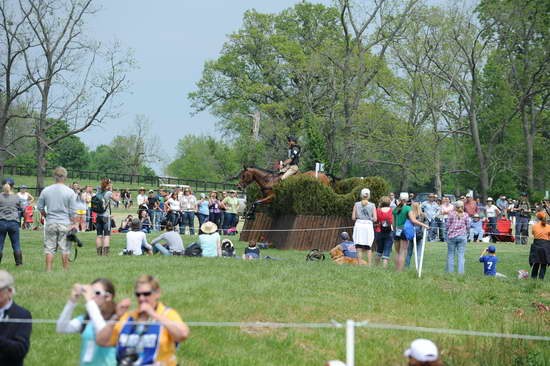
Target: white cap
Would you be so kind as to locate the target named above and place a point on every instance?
(490, 199)
(6, 280)
(422, 350)
(404, 196)
(335, 363)
(365, 192)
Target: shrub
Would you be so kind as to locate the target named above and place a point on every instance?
(305, 195)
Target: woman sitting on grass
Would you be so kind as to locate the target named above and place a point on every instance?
(136, 241)
(100, 308)
(145, 222)
(173, 245)
(125, 224)
(209, 240)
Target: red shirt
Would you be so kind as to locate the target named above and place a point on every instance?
(381, 217)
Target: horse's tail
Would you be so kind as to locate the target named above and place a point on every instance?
(333, 178)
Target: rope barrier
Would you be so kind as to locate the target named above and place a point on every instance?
(329, 325)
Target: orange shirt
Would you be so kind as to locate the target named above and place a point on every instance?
(541, 232)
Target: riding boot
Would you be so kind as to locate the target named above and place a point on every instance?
(105, 251)
(99, 251)
(18, 256)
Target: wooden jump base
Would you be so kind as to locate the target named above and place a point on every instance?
(295, 238)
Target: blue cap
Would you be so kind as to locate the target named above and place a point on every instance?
(9, 181)
(491, 249)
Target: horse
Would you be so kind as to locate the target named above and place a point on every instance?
(266, 179)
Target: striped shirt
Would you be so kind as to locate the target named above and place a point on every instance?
(457, 224)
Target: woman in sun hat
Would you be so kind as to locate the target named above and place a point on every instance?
(423, 352)
(209, 240)
(364, 215)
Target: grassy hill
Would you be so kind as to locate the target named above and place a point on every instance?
(292, 290)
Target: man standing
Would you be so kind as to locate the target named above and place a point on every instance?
(393, 201)
(101, 204)
(502, 205)
(14, 337)
(470, 206)
(523, 214)
(290, 165)
(89, 193)
(57, 205)
(431, 210)
(153, 210)
(188, 204)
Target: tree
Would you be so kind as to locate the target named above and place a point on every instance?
(204, 158)
(75, 80)
(521, 30)
(14, 82)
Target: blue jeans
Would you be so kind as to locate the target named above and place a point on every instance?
(156, 218)
(433, 231)
(410, 251)
(188, 219)
(456, 245)
(161, 249)
(12, 229)
(202, 219)
(522, 229)
(384, 243)
(229, 221)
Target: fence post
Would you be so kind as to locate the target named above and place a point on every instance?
(350, 343)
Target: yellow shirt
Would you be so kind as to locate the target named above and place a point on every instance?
(164, 347)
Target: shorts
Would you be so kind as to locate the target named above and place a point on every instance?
(401, 235)
(55, 236)
(359, 246)
(103, 226)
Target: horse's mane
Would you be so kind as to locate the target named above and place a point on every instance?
(262, 169)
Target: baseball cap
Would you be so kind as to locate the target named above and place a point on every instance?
(335, 363)
(422, 350)
(6, 279)
(9, 181)
(404, 196)
(344, 235)
(151, 191)
(491, 249)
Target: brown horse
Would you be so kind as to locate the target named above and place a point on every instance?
(266, 179)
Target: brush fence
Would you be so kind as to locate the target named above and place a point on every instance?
(286, 232)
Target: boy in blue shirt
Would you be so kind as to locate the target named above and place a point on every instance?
(489, 259)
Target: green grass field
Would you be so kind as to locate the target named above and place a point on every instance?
(293, 290)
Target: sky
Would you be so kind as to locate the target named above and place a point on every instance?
(171, 40)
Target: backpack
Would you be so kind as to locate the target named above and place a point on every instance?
(99, 205)
(194, 250)
(315, 255)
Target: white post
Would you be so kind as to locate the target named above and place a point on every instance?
(422, 253)
(350, 343)
(317, 167)
(414, 249)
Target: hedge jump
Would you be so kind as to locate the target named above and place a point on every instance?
(299, 239)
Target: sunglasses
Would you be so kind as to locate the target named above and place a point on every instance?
(100, 293)
(145, 293)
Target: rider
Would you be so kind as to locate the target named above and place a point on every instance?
(290, 165)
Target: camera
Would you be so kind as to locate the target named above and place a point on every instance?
(130, 356)
(71, 236)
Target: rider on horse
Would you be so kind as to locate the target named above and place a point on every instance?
(290, 165)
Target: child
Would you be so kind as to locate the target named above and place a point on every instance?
(490, 261)
(476, 229)
(252, 251)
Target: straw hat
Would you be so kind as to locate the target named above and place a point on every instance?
(209, 227)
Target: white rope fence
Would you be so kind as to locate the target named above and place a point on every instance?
(349, 326)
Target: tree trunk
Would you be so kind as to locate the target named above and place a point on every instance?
(404, 186)
(437, 165)
(474, 130)
(40, 163)
(3, 153)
